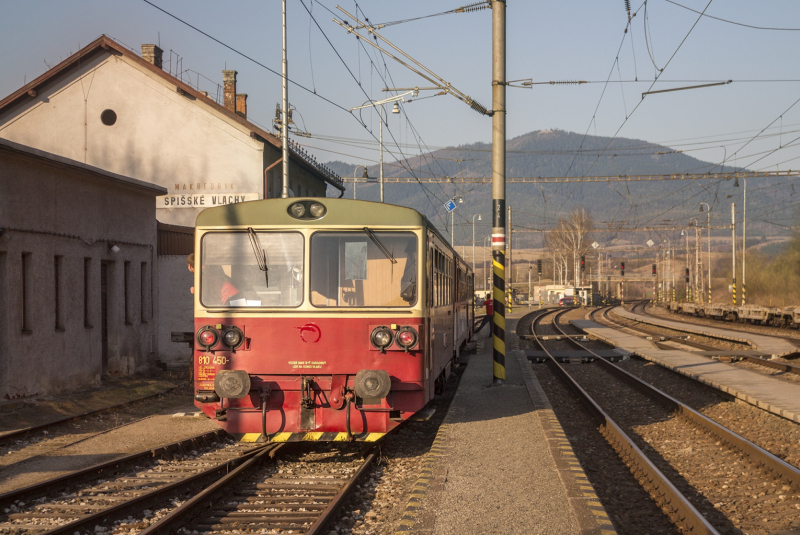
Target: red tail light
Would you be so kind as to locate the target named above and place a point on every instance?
(207, 337)
(406, 337)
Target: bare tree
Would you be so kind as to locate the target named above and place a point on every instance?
(569, 239)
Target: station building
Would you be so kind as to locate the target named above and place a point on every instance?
(78, 274)
(109, 107)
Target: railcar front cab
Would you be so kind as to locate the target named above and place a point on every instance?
(303, 319)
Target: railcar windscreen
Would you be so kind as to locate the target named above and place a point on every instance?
(350, 269)
(230, 274)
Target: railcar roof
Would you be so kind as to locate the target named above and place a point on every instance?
(339, 212)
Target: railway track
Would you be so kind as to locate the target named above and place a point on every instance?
(740, 326)
(97, 496)
(707, 478)
(661, 335)
(301, 493)
(208, 482)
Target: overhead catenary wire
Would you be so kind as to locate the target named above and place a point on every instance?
(752, 26)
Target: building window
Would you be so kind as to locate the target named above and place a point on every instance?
(58, 293)
(26, 293)
(145, 286)
(87, 268)
(109, 117)
(127, 287)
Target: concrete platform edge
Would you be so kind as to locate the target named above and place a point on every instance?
(589, 512)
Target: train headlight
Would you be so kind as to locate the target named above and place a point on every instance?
(232, 337)
(207, 337)
(381, 338)
(406, 337)
(317, 210)
(297, 210)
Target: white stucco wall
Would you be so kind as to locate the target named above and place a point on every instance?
(160, 136)
(176, 305)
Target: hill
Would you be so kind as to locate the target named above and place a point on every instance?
(556, 153)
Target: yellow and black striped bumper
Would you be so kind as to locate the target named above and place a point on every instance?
(312, 436)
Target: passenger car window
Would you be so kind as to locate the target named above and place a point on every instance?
(230, 276)
(350, 269)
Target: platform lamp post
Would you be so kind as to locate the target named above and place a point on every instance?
(473, 240)
(486, 243)
(708, 242)
(395, 109)
(668, 271)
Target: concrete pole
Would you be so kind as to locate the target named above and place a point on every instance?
(697, 265)
(453, 228)
(708, 241)
(285, 117)
(499, 186)
(530, 296)
(599, 275)
(380, 142)
(744, 240)
(686, 279)
(733, 249)
(655, 281)
(672, 270)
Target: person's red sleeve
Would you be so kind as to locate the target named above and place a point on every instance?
(228, 291)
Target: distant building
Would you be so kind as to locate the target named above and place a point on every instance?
(108, 107)
(78, 274)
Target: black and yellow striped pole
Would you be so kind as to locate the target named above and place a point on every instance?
(499, 189)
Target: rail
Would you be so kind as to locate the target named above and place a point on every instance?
(664, 492)
(772, 464)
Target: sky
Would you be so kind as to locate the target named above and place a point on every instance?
(332, 72)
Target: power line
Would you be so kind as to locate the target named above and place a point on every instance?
(734, 22)
(229, 47)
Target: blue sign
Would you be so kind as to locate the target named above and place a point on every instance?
(450, 205)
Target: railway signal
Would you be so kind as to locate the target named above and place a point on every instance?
(622, 269)
(583, 263)
(539, 266)
(654, 270)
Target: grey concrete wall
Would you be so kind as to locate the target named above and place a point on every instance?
(51, 209)
(176, 308)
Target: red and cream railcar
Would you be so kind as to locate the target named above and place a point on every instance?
(323, 319)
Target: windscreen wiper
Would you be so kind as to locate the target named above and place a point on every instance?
(380, 245)
(261, 255)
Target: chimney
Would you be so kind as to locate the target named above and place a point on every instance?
(152, 54)
(229, 90)
(241, 104)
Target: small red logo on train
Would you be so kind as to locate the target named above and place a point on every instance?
(310, 333)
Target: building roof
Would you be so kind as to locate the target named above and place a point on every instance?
(7, 146)
(104, 44)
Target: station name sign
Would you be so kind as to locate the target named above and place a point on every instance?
(202, 200)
